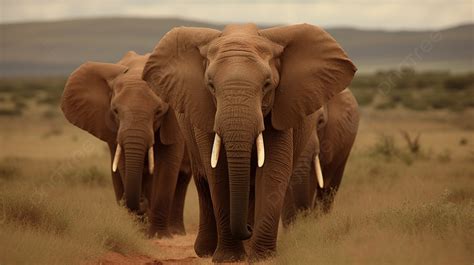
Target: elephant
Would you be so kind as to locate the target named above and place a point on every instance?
(149, 168)
(245, 98)
(320, 168)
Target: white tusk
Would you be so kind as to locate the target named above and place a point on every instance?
(216, 148)
(116, 158)
(319, 173)
(151, 160)
(260, 150)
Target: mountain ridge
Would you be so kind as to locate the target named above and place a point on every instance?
(58, 47)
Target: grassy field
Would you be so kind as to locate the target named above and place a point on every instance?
(395, 206)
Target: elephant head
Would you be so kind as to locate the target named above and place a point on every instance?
(114, 104)
(227, 83)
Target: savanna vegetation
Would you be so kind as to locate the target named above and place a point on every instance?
(407, 196)
(384, 90)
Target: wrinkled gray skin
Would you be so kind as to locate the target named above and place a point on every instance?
(337, 124)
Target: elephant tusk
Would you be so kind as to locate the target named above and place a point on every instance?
(260, 150)
(116, 158)
(216, 148)
(319, 173)
(151, 160)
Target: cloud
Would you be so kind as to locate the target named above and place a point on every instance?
(389, 14)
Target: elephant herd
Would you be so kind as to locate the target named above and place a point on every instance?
(261, 119)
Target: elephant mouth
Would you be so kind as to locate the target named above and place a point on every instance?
(136, 162)
(149, 163)
(216, 147)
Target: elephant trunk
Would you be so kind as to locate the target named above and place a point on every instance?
(238, 121)
(135, 150)
(238, 153)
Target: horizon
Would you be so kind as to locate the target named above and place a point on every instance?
(403, 15)
(65, 19)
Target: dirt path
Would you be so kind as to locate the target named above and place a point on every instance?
(178, 250)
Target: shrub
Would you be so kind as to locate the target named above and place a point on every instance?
(90, 176)
(364, 96)
(8, 171)
(444, 156)
(385, 147)
(460, 82)
(50, 114)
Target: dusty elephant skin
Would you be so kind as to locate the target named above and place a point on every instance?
(331, 142)
(114, 104)
(246, 98)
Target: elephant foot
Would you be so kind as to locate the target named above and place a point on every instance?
(259, 254)
(159, 233)
(234, 253)
(205, 244)
(178, 229)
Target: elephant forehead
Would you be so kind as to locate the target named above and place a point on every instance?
(250, 29)
(129, 81)
(240, 42)
(135, 94)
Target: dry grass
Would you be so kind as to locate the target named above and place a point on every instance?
(49, 219)
(57, 205)
(389, 211)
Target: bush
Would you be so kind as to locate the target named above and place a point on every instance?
(90, 176)
(416, 90)
(364, 96)
(444, 156)
(50, 114)
(460, 82)
(47, 91)
(8, 171)
(385, 147)
(11, 112)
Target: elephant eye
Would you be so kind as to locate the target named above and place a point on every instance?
(158, 113)
(211, 86)
(115, 111)
(267, 84)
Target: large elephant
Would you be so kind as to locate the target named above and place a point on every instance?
(246, 98)
(319, 169)
(114, 104)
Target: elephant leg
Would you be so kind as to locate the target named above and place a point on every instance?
(289, 211)
(270, 188)
(298, 196)
(163, 187)
(177, 209)
(206, 240)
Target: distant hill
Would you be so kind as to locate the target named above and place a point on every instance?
(57, 48)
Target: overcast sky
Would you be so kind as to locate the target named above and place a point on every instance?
(389, 14)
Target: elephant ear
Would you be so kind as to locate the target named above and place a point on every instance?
(313, 68)
(170, 131)
(86, 98)
(176, 69)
